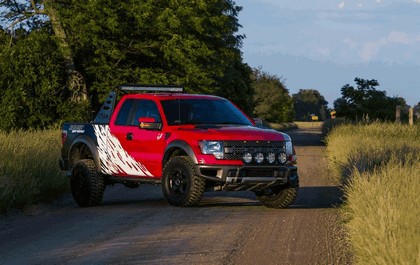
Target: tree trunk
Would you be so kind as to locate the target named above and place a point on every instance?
(75, 81)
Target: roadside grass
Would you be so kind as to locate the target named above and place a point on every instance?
(29, 171)
(308, 124)
(379, 166)
(330, 124)
(283, 126)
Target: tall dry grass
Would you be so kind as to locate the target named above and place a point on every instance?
(29, 171)
(379, 165)
(330, 124)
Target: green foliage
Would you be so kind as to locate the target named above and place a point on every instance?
(272, 100)
(307, 102)
(236, 86)
(365, 102)
(416, 110)
(31, 81)
(189, 43)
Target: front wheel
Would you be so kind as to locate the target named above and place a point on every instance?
(87, 186)
(180, 185)
(279, 196)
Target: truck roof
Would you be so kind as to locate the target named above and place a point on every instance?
(162, 92)
(168, 96)
(104, 114)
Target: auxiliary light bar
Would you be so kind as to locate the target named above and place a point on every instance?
(150, 88)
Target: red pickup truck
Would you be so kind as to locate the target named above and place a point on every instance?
(187, 143)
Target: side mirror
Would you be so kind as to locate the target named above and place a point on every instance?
(261, 123)
(149, 123)
(257, 122)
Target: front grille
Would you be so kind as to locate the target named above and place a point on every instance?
(234, 150)
(257, 173)
(260, 173)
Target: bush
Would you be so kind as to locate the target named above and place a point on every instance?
(383, 205)
(330, 124)
(379, 167)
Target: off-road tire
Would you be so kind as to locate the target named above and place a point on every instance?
(87, 186)
(279, 196)
(180, 185)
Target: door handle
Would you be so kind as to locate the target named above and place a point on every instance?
(129, 136)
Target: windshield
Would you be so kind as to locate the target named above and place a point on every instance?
(202, 111)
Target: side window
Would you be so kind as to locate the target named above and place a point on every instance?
(146, 109)
(124, 114)
(133, 109)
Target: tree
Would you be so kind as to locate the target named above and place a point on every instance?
(272, 100)
(31, 81)
(365, 101)
(307, 102)
(30, 15)
(191, 43)
(235, 84)
(416, 110)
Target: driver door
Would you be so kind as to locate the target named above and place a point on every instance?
(144, 145)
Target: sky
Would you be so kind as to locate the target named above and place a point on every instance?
(326, 44)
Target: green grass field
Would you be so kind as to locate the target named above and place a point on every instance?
(379, 165)
(29, 171)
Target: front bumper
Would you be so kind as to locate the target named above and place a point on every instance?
(247, 177)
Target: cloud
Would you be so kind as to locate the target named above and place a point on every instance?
(400, 37)
(350, 43)
(341, 5)
(417, 1)
(370, 49)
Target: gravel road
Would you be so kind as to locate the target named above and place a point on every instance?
(137, 226)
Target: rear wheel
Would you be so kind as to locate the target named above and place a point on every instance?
(279, 196)
(180, 185)
(87, 186)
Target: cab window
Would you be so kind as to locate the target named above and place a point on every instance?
(133, 109)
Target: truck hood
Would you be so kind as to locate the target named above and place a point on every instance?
(243, 133)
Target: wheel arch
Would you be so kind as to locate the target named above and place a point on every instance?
(178, 148)
(83, 147)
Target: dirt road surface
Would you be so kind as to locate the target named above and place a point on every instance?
(137, 226)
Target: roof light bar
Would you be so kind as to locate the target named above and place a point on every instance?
(149, 88)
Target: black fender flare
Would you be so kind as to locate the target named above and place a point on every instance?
(181, 145)
(91, 145)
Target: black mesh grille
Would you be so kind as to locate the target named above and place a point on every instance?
(256, 173)
(234, 150)
(260, 173)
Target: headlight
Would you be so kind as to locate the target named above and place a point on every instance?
(247, 158)
(291, 157)
(259, 158)
(282, 158)
(289, 148)
(271, 157)
(212, 148)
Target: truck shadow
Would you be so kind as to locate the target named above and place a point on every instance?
(308, 198)
(312, 197)
(319, 197)
(307, 137)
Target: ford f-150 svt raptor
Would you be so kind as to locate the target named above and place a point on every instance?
(189, 143)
